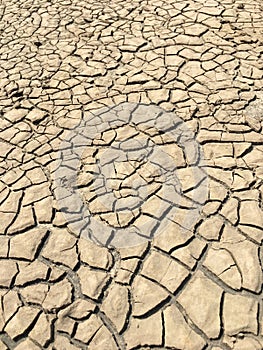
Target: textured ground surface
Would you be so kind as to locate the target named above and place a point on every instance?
(185, 289)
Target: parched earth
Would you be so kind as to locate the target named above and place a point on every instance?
(151, 236)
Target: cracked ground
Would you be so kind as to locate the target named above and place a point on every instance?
(188, 288)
